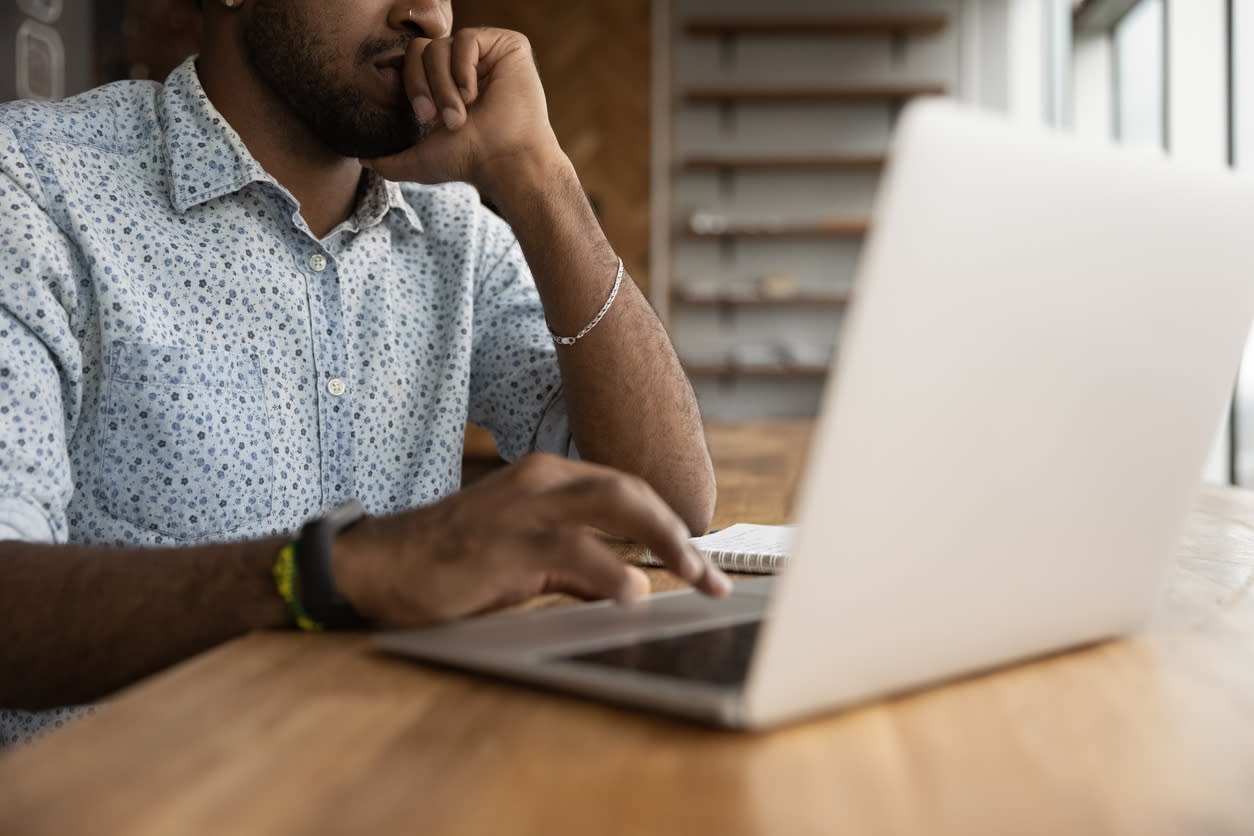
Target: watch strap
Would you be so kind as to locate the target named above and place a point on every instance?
(323, 603)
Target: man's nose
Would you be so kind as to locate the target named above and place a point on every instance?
(422, 18)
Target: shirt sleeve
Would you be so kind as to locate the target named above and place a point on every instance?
(515, 384)
(40, 360)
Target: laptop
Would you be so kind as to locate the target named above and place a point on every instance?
(1044, 338)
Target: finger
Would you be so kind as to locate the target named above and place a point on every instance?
(465, 64)
(627, 506)
(415, 77)
(585, 567)
(639, 580)
(437, 63)
(615, 502)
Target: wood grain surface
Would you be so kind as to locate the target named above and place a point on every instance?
(280, 733)
(594, 60)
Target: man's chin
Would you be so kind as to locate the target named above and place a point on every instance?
(381, 141)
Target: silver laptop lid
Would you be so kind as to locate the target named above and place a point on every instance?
(1044, 338)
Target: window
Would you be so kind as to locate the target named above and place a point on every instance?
(1155, 74)
(1241, 30)
(1139, 58)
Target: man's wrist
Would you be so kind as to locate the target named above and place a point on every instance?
(513, 185)
(352, 560)
(317, 599)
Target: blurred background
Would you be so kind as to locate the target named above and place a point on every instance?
(732, 148)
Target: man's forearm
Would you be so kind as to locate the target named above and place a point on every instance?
(630, 404)
(79, 622)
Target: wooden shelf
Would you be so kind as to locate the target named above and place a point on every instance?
(854, 228)
(739, 223)
(783, 95)
(772, 372)
(801, 162)
(808, 299)
(900, 26)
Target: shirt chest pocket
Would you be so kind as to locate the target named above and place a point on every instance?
(185, 440)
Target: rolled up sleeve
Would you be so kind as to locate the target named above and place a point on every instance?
(516, 386)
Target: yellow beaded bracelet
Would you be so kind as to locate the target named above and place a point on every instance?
(287, 580)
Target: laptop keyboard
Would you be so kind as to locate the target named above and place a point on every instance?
(719, 656)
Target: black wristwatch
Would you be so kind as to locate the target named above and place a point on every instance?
(318, 593)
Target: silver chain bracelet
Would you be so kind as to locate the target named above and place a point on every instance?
(618, 280)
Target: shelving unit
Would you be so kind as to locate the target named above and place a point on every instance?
(832, 94)
(834, 299)
(893, 25)
(776, 372)
(776, 134)
(852, 228)
(814, 163)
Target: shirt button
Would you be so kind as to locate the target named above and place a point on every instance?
(336, 386)
(318, 262)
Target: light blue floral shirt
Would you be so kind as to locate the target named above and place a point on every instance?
(182, 361)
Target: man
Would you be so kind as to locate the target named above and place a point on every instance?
(219, 324)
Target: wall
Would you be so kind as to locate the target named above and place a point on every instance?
(1093, 103)
(594, 61)
(1015, 58)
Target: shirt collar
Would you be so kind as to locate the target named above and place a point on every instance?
(396, 200)
(379, 197)
(206, 158)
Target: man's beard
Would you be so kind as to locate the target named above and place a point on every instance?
(290, 58)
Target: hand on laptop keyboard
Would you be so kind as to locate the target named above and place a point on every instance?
(523, 531)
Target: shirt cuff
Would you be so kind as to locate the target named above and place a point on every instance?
(553, 434)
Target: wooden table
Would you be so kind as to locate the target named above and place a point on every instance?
(283, 733)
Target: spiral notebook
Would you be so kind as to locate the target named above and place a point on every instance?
(743, 547)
